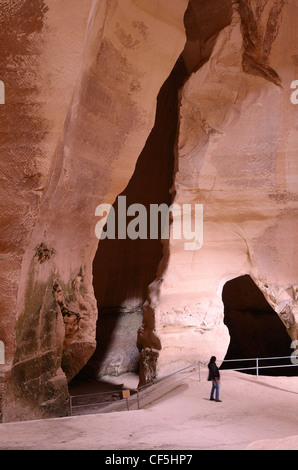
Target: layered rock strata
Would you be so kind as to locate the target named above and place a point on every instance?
(236, 155)
(91, 75)
(81, 83)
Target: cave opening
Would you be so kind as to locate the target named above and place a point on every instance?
(124, 268)
(255, 330)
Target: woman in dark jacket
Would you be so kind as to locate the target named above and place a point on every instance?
(214, 376)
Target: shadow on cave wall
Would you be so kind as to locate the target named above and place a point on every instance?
(123, 269)
(255, 329)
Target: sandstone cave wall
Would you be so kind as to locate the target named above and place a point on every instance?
(41, 50)
(97, 79)
(81, 88)
(236, 155)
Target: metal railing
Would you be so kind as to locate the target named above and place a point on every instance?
(131, 398)
(92, 399)
(257, 365)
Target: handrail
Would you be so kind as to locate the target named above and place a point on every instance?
(257, 367)
(136, 391)
(165, 377)
(254, 358)
(108, 392)
(249, 359)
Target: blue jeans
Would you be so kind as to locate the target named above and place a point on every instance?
(215, 388)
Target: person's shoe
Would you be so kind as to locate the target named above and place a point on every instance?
(212, 399)
(219, 401)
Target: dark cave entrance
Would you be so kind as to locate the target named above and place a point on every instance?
(124, 268)
(255, 329)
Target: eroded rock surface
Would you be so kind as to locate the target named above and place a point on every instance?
(236, 155)
(90, 77)
(81, 84)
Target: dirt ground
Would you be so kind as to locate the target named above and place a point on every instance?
(254, 414)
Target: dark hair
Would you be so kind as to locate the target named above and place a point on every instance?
(213, 359)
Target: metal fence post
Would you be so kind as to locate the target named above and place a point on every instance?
(138, 398)
(257, 369)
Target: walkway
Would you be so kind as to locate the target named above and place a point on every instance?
(185, 419)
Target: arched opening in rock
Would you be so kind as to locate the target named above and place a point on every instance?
(255, 329)
(124, 268)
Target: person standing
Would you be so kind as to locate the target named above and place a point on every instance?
(214, 376)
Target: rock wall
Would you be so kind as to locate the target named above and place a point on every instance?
(236, 155)
(123, 268)
(91, 76)
(81, 83)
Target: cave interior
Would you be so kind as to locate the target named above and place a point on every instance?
(255, 329)
(123, 268)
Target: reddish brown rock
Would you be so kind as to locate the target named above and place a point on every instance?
(172, 101)
(81, 83)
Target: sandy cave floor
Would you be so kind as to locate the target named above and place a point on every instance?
(262, 410)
